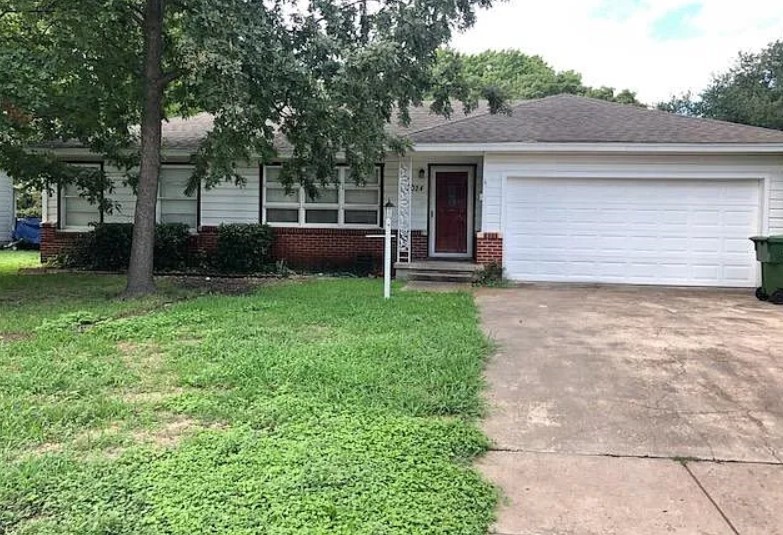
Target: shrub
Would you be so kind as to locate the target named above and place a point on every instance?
(244, 248)
(108, 247)
(491, 276)
(171, 246)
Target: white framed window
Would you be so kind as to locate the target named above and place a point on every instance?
(76, 212)
(344, 204)
(173, 205)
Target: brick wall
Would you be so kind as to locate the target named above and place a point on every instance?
(310, 248)
(489, 247)
(55, 241)
(206, 239)
(336, 248)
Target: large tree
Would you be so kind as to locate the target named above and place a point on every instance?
(328, 74)
(750, 92)
(521, 76)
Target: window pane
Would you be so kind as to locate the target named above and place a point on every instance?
(321, 216)
(361, 217)
(179, 211)
(325, 196)
(372, 179)
(80, 213)
(272, 174)
(282, 215)
(279, 195)
(361, 196)
(173, 182)
(375, 178)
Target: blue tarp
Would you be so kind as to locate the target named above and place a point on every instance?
(28, 230)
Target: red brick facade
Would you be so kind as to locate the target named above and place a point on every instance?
(316, 248)
(489, 248)
(310, 248)
(55, 241)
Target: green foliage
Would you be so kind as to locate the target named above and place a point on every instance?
(516, 75)
(107, 247)
(751, 92)
(171, 245)
(314, 407)
(244, 248)
(29, 203)
(491, 276)
(330, 75)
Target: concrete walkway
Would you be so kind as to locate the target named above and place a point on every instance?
(619, 410)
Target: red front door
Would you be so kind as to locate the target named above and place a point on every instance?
(451, 212)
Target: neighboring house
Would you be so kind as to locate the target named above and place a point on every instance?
(7, 208)
(565, 188)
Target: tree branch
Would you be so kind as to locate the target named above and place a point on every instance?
(169, 77)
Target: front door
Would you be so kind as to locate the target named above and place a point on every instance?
(451, 213)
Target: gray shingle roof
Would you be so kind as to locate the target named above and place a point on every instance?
(557, 119)
(575, 119)
(185, 134)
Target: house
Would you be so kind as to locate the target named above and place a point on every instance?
(7, 208)
(565, 188)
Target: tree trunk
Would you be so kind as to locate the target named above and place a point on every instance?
(140, 281)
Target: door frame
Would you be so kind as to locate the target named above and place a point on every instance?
(434, 169)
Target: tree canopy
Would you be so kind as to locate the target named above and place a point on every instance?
(750, 92)
(328, 74)
(520, 76)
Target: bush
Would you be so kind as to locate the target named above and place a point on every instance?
(244, 248)
(108, 247)
(491, 276)
(171, 246)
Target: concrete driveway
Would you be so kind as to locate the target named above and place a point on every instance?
(635, 410)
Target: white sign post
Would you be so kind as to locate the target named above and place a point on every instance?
(387, 250)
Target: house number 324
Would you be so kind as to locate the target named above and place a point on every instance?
(417, 187)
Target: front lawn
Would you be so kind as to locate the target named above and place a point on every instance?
(302, 407)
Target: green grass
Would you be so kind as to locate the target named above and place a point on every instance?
(304, 407)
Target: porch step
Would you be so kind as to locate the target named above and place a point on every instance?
(437, 271)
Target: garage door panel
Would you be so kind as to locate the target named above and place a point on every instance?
(636, 231)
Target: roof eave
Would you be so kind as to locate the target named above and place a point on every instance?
(718, 148)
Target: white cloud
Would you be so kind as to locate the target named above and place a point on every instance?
(620, 50)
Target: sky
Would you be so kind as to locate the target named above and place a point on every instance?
(657, 48)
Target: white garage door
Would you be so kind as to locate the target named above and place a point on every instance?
(678, 232)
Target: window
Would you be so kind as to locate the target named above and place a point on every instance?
(75, 210)
(173, 205)
(341, 204)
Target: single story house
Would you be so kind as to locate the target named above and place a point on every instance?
(565, 188)
(7, 208)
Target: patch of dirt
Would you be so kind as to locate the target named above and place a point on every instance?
(224, 285)
(141, 357)
(172, 432)
(14, 337)
(152, 397)
(45, 448)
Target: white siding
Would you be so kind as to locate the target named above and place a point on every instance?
(123, 195)
(768, 168)
(421, 185)
(50, 207)
(7, 208)
(228, 203)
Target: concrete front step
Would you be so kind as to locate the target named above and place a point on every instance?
(437, 271)
(436, 277)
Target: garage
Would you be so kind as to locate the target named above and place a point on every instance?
(691, 232)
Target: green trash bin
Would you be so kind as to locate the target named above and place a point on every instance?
(769, 251)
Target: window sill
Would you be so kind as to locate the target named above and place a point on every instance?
(325, 226)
